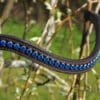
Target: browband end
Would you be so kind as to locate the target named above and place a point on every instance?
(89, 16)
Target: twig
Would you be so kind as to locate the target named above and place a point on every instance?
(26, 84)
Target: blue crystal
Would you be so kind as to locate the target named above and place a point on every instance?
(72, 67)
(23, 48)
(76, 67)
(51, 61)
(3, 43)
(93, 63)
(29, 51)
(35, 54)
(57, 63)
(41, 57)
(62, 65)
(81, 67)
(46, 59)
(88, 66)
(17, 46)
(67, 66)
(10, 44)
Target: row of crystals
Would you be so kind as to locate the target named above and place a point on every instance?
(43, 58)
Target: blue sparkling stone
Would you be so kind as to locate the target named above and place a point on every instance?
(81, 67)
(85, 66)
(76, 67)
(29, 51)
(10, 44)
(3, 43)
(57, 63)
(88, 66)
(67, 66)
(46, 59)
(16, 46)
(51, 61)
(35, 54)
(93, 63)
(23, 48)
(72, 67)
(41, 57)
(62, 65)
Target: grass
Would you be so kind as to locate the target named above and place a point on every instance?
(60, 46)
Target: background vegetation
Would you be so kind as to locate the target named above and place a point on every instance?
(55, 25)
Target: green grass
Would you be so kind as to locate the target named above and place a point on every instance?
(60, 41)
